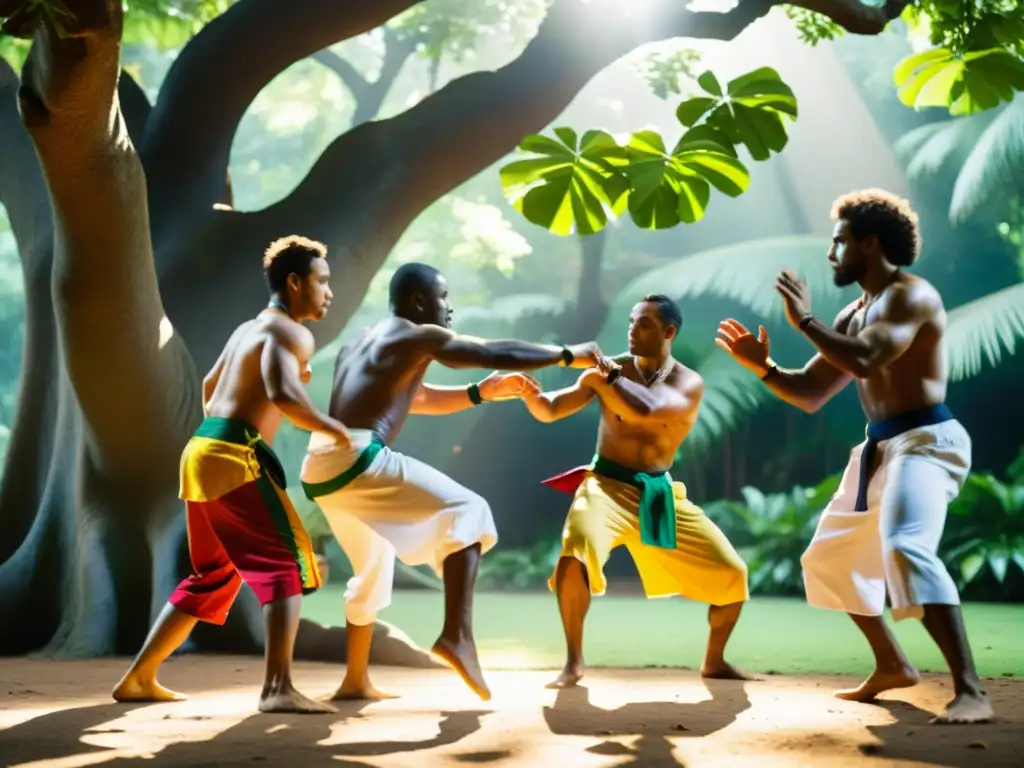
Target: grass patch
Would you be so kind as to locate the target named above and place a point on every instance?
(523, 631)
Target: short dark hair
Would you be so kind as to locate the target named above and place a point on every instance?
(890, 218)
(410, 278)
(290, 255)
(668, 311)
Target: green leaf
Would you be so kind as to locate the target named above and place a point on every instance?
(906, 68)
(763, 88)
(567, 188)
(705, 137)
(971, 566)
(997, 561)
(662, 193)
(984, 330)
(691, 111)
(726, 173)
(710, 83)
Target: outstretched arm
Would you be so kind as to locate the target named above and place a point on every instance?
(286, 354)
(675, 400)
(434, 400)
(457, 351)
(807, 388)
(561, 403)
(884, 340)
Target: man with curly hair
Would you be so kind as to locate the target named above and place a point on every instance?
(241, 524)
(880, 533)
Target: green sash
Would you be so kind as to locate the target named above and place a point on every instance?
(239, 432)
(657, 510)
(362, 463)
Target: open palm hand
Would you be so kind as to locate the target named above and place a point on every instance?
(748, 351)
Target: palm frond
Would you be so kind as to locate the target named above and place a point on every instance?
(510, 309)
(927, 149)
(996, 159)
(730, 394)
(984, 330)
(745, 272)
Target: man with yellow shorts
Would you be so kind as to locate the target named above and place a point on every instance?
(649, 403)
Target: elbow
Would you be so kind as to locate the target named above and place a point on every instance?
(811, 406)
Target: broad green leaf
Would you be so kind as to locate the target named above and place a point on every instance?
(726, 173)
(661, 195)
(908, 66)
(691, 111)
(568, 188)
(710, 83)
(997, 561)
(750, 112)
(971, 566)
(705, 137)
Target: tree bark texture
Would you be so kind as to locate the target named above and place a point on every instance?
(136, 273)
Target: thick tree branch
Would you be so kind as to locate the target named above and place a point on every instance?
(373, 181)
(23, 194)
(854, 16)
(131, 373)
(247, 47)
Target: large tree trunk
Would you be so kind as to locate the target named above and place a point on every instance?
(128, 303)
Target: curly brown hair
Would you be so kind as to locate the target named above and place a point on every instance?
(888, 217)
(288, 255)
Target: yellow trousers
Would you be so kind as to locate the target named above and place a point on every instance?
(703, 567)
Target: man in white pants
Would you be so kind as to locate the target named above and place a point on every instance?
(882, 528)
(381, 504)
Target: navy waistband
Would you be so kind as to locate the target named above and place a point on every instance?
(886, 429)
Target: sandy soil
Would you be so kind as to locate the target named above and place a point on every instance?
(57, 714)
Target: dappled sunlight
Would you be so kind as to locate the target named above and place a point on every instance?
(615, 718)
(166, 332)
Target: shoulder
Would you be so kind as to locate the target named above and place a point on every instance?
(296, 337)
(914, 297)
(687, 380)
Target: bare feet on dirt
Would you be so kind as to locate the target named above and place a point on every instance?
(291, 701)
(724, 671)
(966, 708)
(132, 688)
(569, 677)
(879, 682)
(360, 691)
(462, 657)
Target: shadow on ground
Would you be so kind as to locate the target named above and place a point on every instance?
(652, 721)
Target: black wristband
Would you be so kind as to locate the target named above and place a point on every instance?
(805, 321)
(473, 391)
(613, 375)
(772, 368)
(568, 358)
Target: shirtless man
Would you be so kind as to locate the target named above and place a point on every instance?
(626, 496)
(882, 528)
(381, 504)
(241, 525)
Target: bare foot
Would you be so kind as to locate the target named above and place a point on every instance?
(291, 701)
(724, 671)
(966, 708)
(570, 676)
(462, 658)
(130, 688)
(360, 692)
(878, 682)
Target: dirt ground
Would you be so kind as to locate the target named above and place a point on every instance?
(57, 714)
